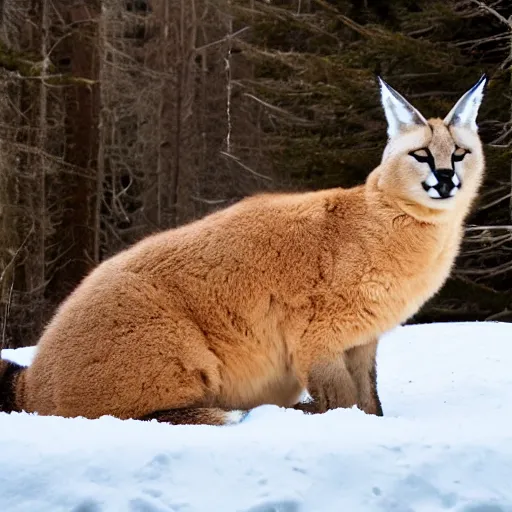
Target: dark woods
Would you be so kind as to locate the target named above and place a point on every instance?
(122, 117)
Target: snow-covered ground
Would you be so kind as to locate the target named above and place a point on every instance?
(445, 443)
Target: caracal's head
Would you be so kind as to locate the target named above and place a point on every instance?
(435, 163)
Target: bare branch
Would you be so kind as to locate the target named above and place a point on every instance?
(494, 12)
(243, 166)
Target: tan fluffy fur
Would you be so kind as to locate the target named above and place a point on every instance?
(255, 303)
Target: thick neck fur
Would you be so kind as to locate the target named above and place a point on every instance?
(417, 211)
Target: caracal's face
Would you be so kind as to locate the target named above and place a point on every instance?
(432, 162)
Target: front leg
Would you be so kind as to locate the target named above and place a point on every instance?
(361, 362)
(330, 385)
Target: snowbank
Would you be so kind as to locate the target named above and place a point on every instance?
(444, 444)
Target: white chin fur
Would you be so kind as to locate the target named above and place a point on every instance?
(433, 193)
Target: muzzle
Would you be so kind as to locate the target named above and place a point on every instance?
(442, 183)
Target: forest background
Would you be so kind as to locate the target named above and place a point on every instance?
(119, 118)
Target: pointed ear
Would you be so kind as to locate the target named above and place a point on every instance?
(400, 114)
(465, 111)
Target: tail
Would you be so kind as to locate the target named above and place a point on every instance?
(9, 376)
(197, 416)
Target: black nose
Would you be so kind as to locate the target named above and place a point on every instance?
(446, 174)
(446, 183)
(444, 188)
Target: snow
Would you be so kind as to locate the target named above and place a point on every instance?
(22, 356)
(445, 443)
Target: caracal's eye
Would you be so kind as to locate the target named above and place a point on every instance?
(459, 154)
(421, 155)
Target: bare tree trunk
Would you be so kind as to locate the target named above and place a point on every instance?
(100, 174)
(24, 235)
(163, 141)
(229, 84)
(180, 71)
(510, 65)
(82, 112)
(175, 171)
(41, 168)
